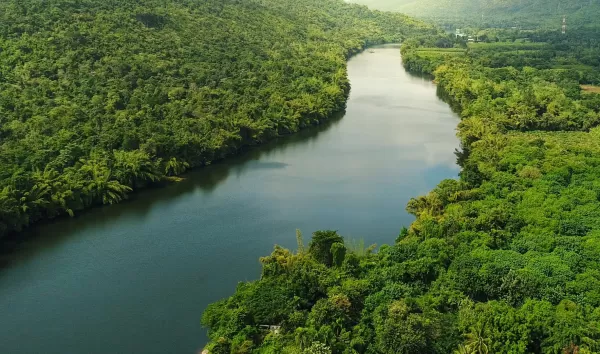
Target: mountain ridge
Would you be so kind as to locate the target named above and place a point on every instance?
(496, 13)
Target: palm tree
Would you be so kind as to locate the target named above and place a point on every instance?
(462, 349)
(37, 197)
(476, 341)
(11, 216)
(101, 187)
(63, 199)
(60, 196)
(302, 337)
(173, 167)
(133, 167)
(114, 192)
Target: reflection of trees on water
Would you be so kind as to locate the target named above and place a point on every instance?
(420, 75)
(441, 94)
(206, 179)
(444, 96)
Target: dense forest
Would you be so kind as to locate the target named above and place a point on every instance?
(98, 98)
(495, 13)
(573, 58)
(506, 259)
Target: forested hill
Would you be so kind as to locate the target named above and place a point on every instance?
(98, 98)
(493, 13)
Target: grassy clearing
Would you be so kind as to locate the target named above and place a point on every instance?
(590, 88)
(580, 67)
(442, 50)
(504, 46)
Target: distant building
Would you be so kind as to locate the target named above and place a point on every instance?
(274, 329)
(459, 33)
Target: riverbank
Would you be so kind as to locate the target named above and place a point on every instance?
(503, 258)
(156, 90)
(178, 169)
(139, 267)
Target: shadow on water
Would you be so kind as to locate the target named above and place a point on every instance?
(461, 153)
(418, 75)
(205, 179)
(440, 92)
(208, 178)
(446, 98)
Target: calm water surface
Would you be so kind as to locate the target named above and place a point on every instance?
(135, 278)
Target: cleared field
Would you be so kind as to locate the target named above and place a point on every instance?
(590, 88)
(507, 46)
(440, 52)
(578, 67)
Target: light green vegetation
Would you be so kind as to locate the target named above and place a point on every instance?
(575, 56)
(441, 51)
(507, 46)
(98, 98)
(590, 88)
(504, 260)
(496, 13)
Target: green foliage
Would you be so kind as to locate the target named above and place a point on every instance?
(495, 13)
(503, 260)
(98, 98)
(321, 246)
(338, 251)
(317, 348)
(299, 241)
(401, 331)
(357, 246)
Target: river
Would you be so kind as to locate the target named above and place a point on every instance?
(135, 277)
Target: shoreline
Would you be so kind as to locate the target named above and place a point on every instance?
(11, 241)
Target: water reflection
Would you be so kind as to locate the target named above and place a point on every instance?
(207, 179)
(204, 180)
(135, 277)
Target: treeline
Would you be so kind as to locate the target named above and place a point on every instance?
(575, 55)
(505, 259)
(98, 98)
(496, 13)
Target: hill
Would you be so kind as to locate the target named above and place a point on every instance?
(496, 13)
(98, 98)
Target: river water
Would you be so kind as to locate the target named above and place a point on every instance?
(135, 277)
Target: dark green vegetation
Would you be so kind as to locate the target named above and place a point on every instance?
(98, 98)
(504, 260)
(495, 13)
(572, 59)
(143, 271)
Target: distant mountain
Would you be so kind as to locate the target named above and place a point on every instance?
(505, 13)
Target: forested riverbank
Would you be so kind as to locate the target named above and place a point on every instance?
(503, 260)
(101, 98)
(526, 14)
(143, 271)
